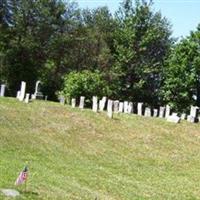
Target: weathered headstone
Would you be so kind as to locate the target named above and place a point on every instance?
(22, 91)
(33, 97)
(121, 107)
(38, 94)
(27, 98)
(62, 100)
(125, 106)
(183, 116)
(3, 87)
(110, 109)
(45, 98)
(174, 118)
(18, 94)
(82, 102)
(193, 117)
(168, 111)
(147, 112)
(9, 192)
(116, 106)
(155, 112)
(162, 112)
(95, 104)
(139, 108)
(73, 103)
(130, 107)
(102, 103)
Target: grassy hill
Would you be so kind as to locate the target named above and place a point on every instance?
(74, 154)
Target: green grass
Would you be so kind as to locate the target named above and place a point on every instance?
(74, 154)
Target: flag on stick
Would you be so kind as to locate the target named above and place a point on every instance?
(22, 176)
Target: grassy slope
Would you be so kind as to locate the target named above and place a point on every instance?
(74, 154)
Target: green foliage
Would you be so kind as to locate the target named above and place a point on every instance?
(182, 74)
(85, 83)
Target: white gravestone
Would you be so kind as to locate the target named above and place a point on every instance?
(18, 94)
(174, 118)
(147, 112)
(82, 102)
(62, 100)
(73, 103)
(95, 104)
(193, 117)
(121, 107)
(116, 106)
(110, 109)
(155, 112)
(102, 104)
(3, 87)
(162, 112)
(22, 91)
(27, 98)
(125, 106)
(168, 111)
(33, 97)
(139, 108)
(130, 107)
(183, 116)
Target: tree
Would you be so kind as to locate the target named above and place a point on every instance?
(182, 74)
(142, 42)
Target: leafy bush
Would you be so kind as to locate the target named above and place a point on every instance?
(85, 83)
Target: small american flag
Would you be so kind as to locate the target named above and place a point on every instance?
(22, 176)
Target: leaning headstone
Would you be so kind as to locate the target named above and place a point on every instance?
(174, 118)
(155, 112)
(102, 103)
(193, 117)
(110, 109)
(82, 102)
(183, 116)
(130, 107)
(125, 106)
(116, 106)
(9, 192)
(62, 100)
(27, 98)
(147, 112)
(162, 112)
(3, 87)
(73, 103)
(139, 108)
(22, 91)
(121, 107)
(168, 111)
(95, 104)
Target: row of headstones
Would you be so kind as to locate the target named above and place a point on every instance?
(128, 107)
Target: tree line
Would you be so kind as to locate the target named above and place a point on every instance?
(129, 55)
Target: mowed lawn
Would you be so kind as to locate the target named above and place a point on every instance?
(77, 154)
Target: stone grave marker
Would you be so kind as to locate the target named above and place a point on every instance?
(147, 112)
(110, 109)
(102, 104)
(73, 103)
(121, 107)
(125, 106)
(155, 112)
(139, 108)
(174, 118)
(116, 106)
(82, 102)
(18, 94)
(162, 112)
(62, 100)
(3, 88)
(193, 117)
(95, 104)
(9, 192)
(130, 107)
(168, 111)
(27, 98)
(183, 116)
(22, 91)
(38, 94)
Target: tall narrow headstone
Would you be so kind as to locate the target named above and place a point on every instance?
(162, 112)
(147, 112)
(82, 102)
(27, 98)
(168, 111)
(110, 109)
(121, 107)
(22, 91)
(62, 100)
(130, 107)
(3, 87)
(102, 103)
(193, 117)
(18, 94)
(95, 103)
(116, 106)
(155, 112)
(73, 103)
(139, 108)
(125, 106)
